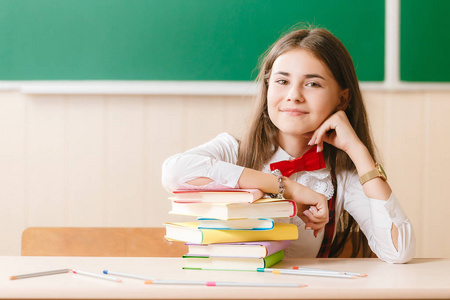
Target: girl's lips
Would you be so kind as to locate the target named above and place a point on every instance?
(293, 112)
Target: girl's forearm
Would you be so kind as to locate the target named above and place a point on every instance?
(252, 179)
(268, 183)
(376, 188)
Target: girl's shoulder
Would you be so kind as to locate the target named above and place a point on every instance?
(223, 144)
(226, 139)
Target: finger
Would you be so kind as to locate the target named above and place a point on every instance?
(317, 231)
(315, 226)
(318, 218)
(305, 219)
(325, 134)
(318, 213)
(308, 135)
(315, 137)
(320, 147)
(302, 207)
(319, 139)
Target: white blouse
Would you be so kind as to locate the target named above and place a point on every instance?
(217, 159)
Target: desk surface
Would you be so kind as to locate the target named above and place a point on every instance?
(419, 279)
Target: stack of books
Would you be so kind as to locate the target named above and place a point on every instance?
(234, 229)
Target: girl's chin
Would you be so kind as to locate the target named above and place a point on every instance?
(297, 134)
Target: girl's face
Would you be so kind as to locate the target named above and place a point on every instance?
(302, 93)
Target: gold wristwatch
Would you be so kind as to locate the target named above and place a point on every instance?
(377, 172)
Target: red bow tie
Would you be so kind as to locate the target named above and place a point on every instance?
(310, 161)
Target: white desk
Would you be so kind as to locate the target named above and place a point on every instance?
(420, 279)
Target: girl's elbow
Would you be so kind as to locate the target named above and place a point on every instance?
(169, 174)
(405, 254)
(401, 258)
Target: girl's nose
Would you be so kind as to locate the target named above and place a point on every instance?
(295, 94)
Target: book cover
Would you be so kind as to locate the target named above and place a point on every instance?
(227, 263)
(190, 233)
(247, 249)
(242, 224)
(226, 211)
(218, 196)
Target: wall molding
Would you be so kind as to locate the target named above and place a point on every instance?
(214, 88)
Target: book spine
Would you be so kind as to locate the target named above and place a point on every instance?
(273, 259)
(294, 208)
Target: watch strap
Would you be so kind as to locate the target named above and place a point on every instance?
(377, 172)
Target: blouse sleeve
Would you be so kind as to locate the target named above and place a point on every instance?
(375, 218)
(215, 159)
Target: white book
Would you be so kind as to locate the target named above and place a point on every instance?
(226, 211)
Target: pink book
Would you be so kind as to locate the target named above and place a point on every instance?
(217, 196)
(247, 249)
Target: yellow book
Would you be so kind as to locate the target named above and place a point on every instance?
(188, 232)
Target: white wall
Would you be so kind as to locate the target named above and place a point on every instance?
(95, 160)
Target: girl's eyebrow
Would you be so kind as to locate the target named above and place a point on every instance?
(282, 73)
(314, 76)
(306, 75)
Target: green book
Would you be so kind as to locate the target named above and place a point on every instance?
(231, 263)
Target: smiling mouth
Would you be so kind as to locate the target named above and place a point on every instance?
(293, 112)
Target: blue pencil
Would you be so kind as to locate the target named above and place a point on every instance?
(128, 275)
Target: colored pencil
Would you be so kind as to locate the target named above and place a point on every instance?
(99, 276)
(23, 276)
(305, 273)
(284, 271)
(128, 275)
(331, 271)
(223, 283)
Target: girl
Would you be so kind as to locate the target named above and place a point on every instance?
(309, 107)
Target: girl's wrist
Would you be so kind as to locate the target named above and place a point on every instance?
(361, 158)
(289, 186)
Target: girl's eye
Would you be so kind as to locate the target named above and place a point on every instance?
(282, 81)
(313, 84)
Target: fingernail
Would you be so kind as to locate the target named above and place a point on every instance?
(308, 228)
(310, 142)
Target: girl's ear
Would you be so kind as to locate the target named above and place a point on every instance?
(344, 100)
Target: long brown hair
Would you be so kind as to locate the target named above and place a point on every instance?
(261, 140)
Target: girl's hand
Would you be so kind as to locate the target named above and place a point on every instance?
(337, 131)
(312, 206)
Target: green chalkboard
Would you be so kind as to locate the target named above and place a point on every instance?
(172, 39)
(425, 41)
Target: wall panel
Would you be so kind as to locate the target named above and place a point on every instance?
(85, 155)
(47, 161)
(14, 215)
(435, 204)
